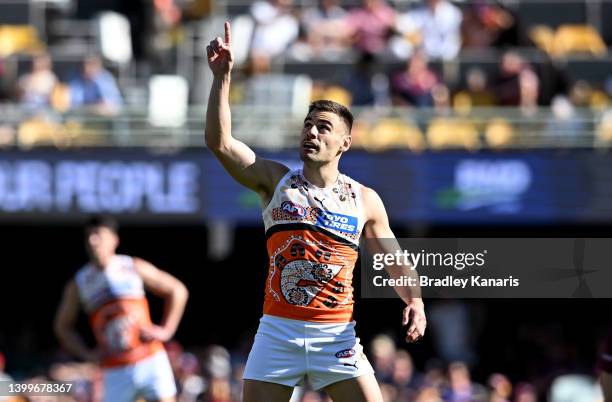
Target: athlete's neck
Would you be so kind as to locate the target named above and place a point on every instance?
(322, 175)
(102, 262)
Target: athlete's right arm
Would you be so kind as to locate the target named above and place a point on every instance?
(238, 159)
(64, 324)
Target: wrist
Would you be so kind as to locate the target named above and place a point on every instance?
(416, 301)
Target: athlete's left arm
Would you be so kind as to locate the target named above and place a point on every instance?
(174, 293)
(382, 240)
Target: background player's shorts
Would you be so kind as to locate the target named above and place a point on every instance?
(285, 351)
(150, 379)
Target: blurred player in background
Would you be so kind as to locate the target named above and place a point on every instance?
(111, 289)
(314, 218)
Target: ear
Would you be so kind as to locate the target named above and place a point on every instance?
(346, 143)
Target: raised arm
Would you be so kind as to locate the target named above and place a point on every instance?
(64, 324)
(382, 240)
(173, 292)
(238, 159)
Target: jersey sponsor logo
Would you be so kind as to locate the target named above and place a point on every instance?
(338, 222)
(345, 354)
(293, 209)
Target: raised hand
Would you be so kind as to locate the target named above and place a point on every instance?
(219, 53)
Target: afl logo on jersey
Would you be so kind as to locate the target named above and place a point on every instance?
(346, 353)
(293, 209)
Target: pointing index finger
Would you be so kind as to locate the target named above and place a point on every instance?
(228, 33)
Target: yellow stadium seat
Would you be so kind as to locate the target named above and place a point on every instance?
(38, 131)
(599, 100)
(578, 39)
(19, 39)
(604, 130)
(499, 133)
(543, 37)
(395, 133)
(334, 92)
(452, 133)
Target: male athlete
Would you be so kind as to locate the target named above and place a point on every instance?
(313, 217)
(111, 289)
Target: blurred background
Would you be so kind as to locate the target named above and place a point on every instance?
(473, 119)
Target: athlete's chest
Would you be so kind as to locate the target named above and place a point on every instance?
(336, 208)
(117, 281)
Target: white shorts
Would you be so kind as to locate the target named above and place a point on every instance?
(285, 351)
(150, 379)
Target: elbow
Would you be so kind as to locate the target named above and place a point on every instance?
(183, 292)
(217, 143)
(179, 293)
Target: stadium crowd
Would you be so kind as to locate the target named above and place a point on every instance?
(389, 54)
(378, 34)
(214, 374)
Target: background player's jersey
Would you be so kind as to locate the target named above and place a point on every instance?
(312, 240)
(114, 299)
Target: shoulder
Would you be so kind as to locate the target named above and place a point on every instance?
(372, 203)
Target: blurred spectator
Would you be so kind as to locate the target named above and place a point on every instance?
(501, 388)
(517, 84)
(383, 351)
(507, 85)
(436, 26)
(476, 92)
(580, 93)
(34, 89)
(359, 82)
(96, 88)
(371, 25)
(325, 27)
(529, 92)
(486, 24)
(461, 388)
(574, 388)
(525, 393)
(564, 126)
(404, 376)
(276, 28)
(414, 85)
(441, 100)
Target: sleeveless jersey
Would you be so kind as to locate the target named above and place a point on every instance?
(313, 241)
(115, 301)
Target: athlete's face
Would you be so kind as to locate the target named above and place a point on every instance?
(324, 137)
(101, 242)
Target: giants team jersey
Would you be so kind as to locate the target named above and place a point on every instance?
(114, 299)
(312, 240)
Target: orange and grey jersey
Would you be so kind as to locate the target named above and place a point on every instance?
(114, 298)
(312, 240)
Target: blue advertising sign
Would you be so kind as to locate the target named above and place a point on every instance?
(191, 186)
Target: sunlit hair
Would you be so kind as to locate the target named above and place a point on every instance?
(333, 107)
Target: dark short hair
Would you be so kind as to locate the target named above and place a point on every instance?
(333, 107)
(103, 221)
